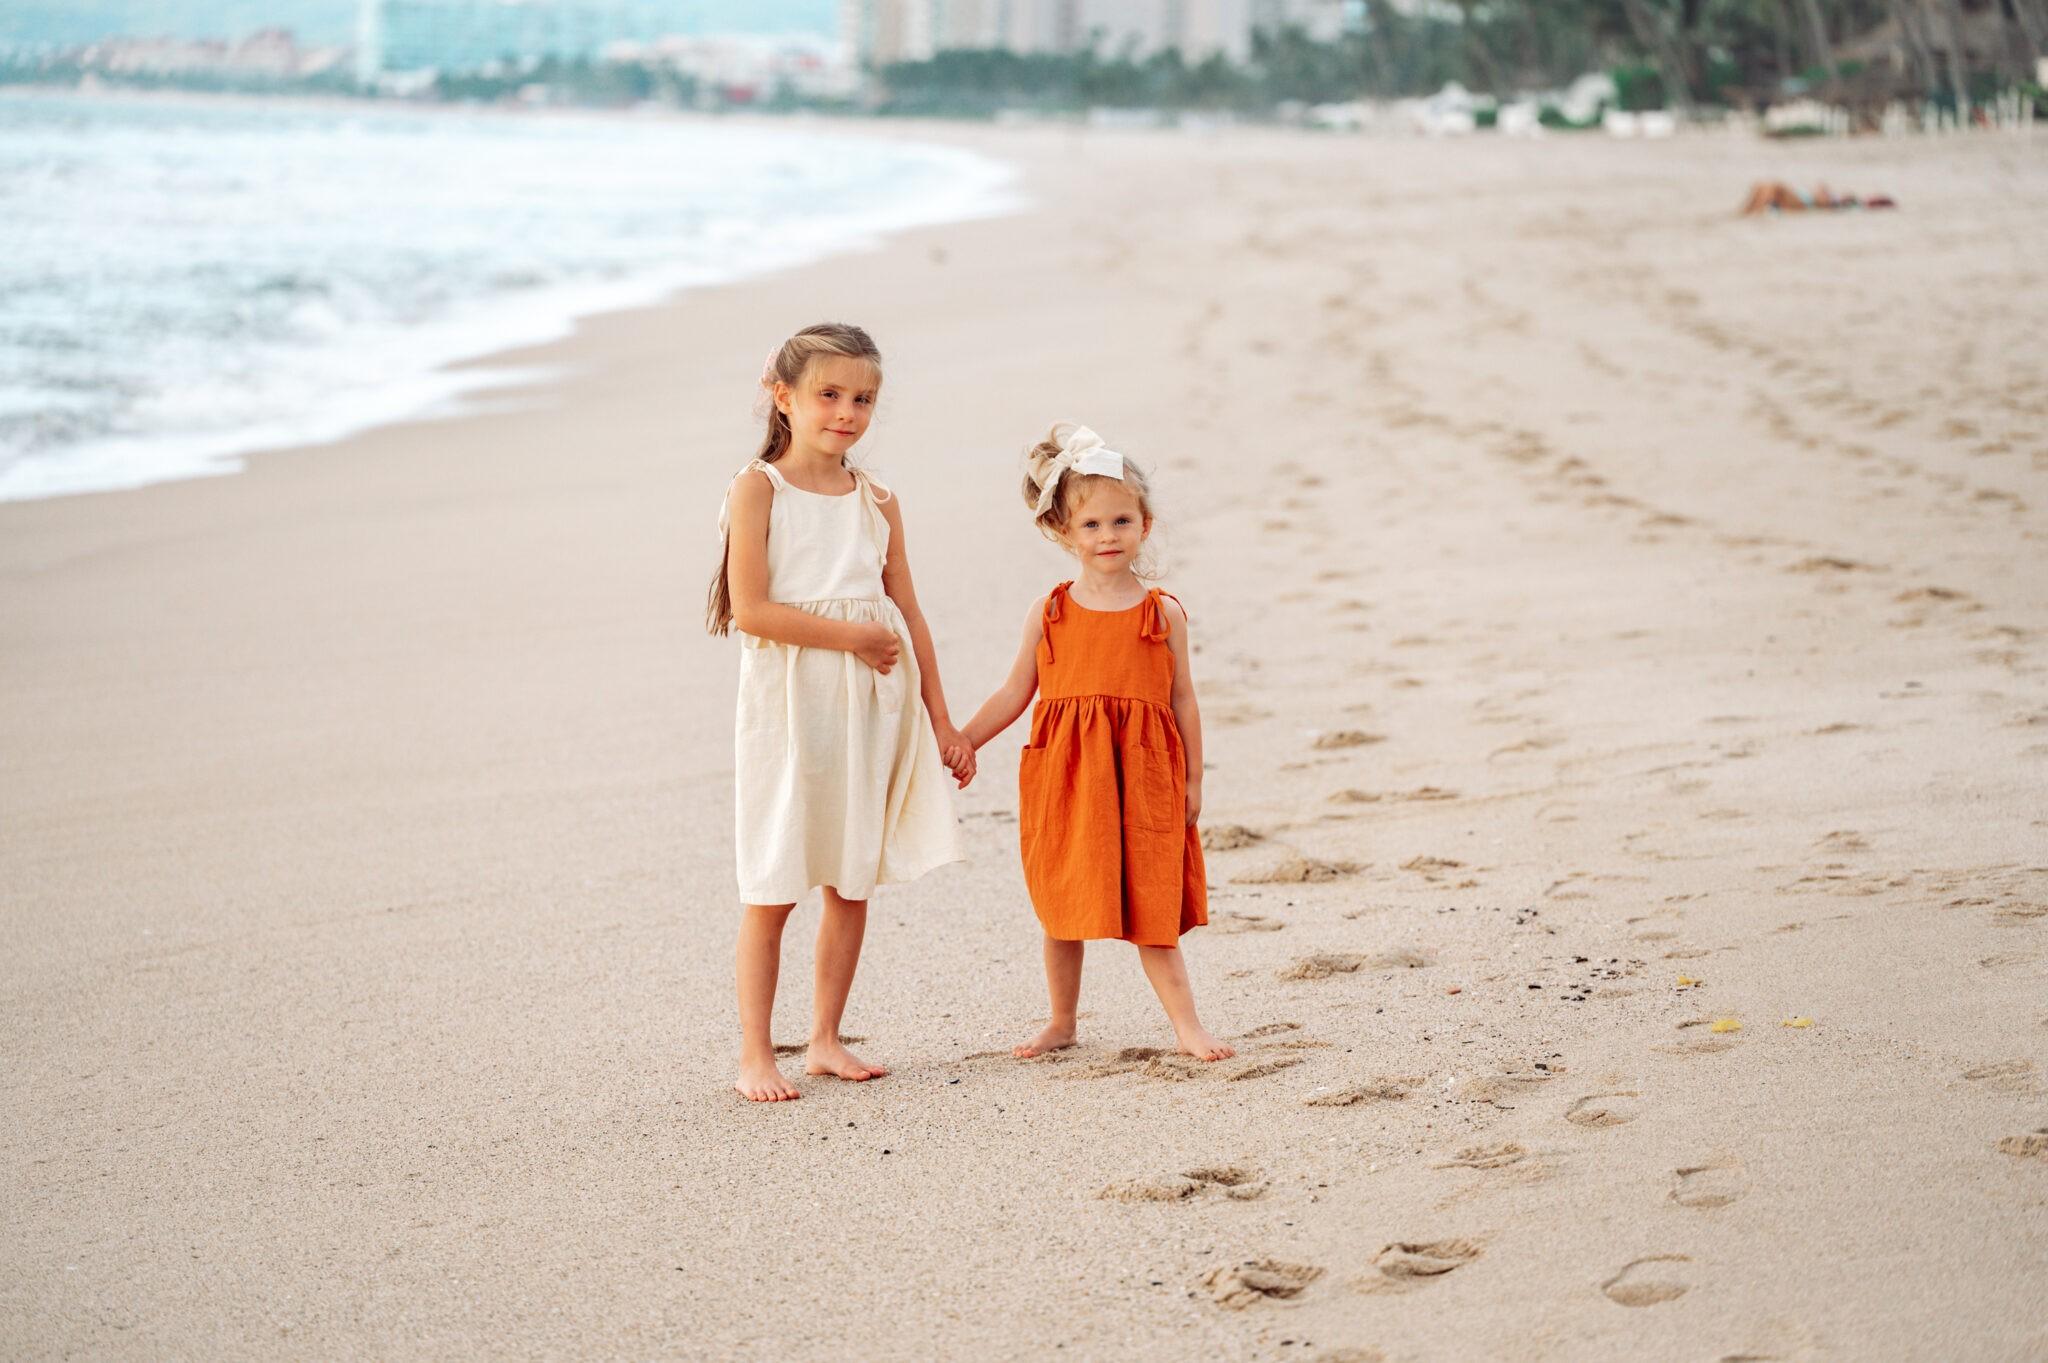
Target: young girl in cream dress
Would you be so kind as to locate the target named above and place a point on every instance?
(843, 738)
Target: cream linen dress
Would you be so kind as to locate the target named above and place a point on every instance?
(838, 774)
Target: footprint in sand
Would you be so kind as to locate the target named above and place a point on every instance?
(2032, 1145)
(1716, 1183)
(1411, 1263)
(1536, 744)
(1827, 563)
(1323, 964)
(1258, 1280)
(1649, 1281)
(1349, 1356)
(1381, 1090)
(1503, 1089)
(1226, 837)
(1347, 738)
(1300, 870)
(1260, 1066)
(1234, 1181)
(1154, 1062)
(2009, 1076)
(1603, 1109)
(1494, 1167)
(1486, 1157)
(1693, 1047)
(1235, 716)
(1151, 1061)
(1229, 924)
(1269, 1029)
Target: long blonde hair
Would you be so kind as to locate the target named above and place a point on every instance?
(787, 365)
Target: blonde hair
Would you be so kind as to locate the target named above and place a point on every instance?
(1039, 462)
(787, 365)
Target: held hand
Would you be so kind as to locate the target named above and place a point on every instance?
(877, 646)
(1194, 802)
(957, 753)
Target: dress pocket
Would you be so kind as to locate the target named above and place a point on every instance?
(1155, 791)
(1031, 800)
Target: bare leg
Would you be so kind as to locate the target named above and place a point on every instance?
(760, 960)
(1169, 976)
(839, 937)
(1063, 983)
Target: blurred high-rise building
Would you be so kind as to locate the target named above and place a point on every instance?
(879, 32)
(466, 35)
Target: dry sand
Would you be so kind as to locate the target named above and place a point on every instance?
(367, 814)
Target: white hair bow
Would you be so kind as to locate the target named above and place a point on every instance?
(1081, 451)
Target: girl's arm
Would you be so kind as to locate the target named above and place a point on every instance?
(1186, 713)
(746, 580)
(896, 582)
(1000, 710)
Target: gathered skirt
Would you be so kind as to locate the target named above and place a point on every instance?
(1102, 819)
(838, 779)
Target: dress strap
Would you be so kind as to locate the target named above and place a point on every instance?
(1054, 599)
(873, 493)
(1152, 622)
(774, 476)
(877, 491)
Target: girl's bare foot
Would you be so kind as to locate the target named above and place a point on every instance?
(1055, 1037)
(761, 1081)
(1197, 1042)
(831, 1057)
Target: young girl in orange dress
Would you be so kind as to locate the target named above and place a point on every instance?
(1110, 784)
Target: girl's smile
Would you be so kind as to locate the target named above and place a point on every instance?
(1108, 527)
(830, 408)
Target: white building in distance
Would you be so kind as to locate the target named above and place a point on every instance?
(879, 32)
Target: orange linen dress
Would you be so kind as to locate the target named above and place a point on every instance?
(1102, 786)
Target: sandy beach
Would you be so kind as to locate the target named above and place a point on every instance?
(1622, 633)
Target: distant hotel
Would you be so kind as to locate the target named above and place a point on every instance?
(468, 35)
(878, 32)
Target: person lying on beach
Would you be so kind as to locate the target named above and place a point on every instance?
(1110, 782)
(1766, 195)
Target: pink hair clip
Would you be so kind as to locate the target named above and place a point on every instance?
(765, 399)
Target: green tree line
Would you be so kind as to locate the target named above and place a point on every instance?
(1680, 53)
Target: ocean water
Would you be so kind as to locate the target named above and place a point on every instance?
(184, 281)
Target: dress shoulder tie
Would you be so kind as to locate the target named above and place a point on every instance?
(1054, 599)
(763, 466)
(873, 493)
(1152, 621)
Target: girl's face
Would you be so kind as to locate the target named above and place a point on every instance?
(830, 406)
(1107, 526)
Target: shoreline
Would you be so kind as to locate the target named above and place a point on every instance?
(1591, 651)
(457, 369)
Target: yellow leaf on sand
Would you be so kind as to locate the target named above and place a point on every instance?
(1725, 1025)
(1797, 1022)
(1686, 981)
